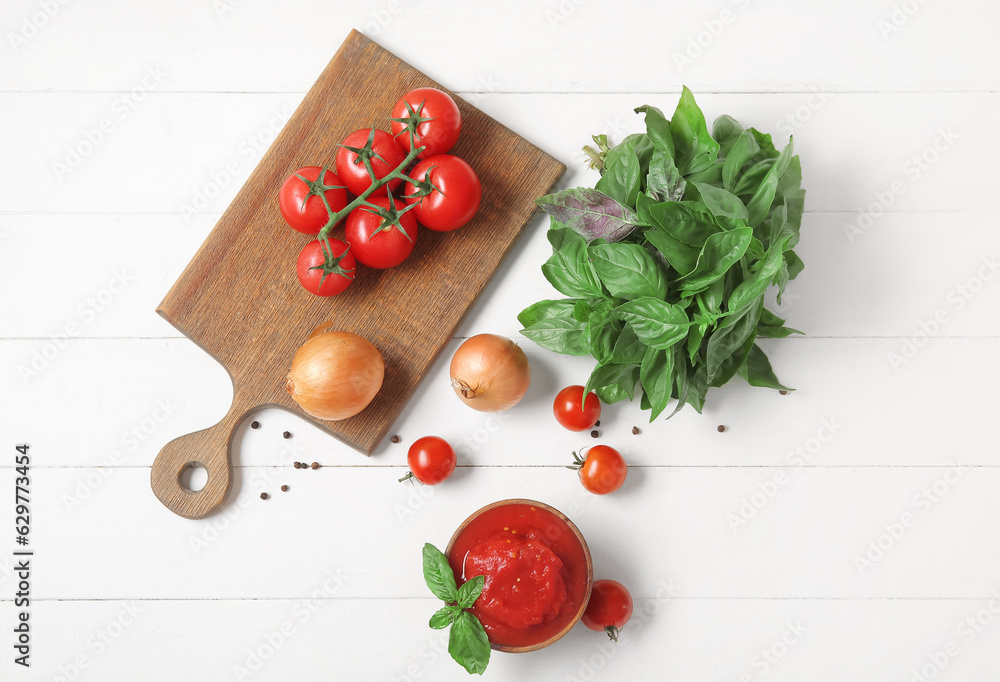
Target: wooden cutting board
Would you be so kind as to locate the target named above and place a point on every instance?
(240, 299)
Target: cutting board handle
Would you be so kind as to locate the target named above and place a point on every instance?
(208, 448)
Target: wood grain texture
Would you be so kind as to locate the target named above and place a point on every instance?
(239, 299)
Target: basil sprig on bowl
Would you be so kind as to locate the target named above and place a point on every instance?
(467, 641)
(667, 260)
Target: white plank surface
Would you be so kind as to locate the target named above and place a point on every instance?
(857, 510)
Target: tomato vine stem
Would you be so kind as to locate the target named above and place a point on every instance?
(361, 199)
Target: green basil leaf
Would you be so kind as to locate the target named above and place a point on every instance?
(681, 257)
(756, 370)
(657, 128)
(621, 175)
(681, 380)
(470, 590)
(628, 270)
(544, 310)
(643, 148)
(694, 148)
(773, 327)
(746, 146)
(629, 348)
(443, 617)
(685, 223)
(729, 337)
(623, 389)
(726, 130)
(438, 574)
(697, 384)
(569, 269)
(760, 202)
(468, 643)
(659, 324)
(602, 333)
(606, 376)
(767, 149)
(795, 264)
(663, 181)
(752, 177)
(721, 252)
(761, 276)
(720, 202)
(560, 335)
(590, 213)
(657, 378)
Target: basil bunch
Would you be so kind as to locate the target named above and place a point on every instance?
(667, 260)
(468, 643)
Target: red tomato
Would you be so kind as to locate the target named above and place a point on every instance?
(431, 460)
(603, 471)
(381, 237)
(447, 192)
(609, 608)
(428, 117)
(302, 199)
(572, 412)
(364, 148)
(326, 271)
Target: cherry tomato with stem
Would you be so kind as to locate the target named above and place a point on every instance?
(609, 608)
(602, 470)
(365, 154)
(326, 269)
(426, 117)
(447, 192)
(431, 460)
(381, 235)
(573, 412)
(307, 203)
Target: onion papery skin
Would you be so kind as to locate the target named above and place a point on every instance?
(335, 375)
(490, 373)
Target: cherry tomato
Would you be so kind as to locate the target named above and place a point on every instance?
(572, 412)
(447, 193)
(381, 236)
(301, 199)
(609, 608)
(368, 147)
(603, 470)
(326, 271)
(431, 460)
(428, 117)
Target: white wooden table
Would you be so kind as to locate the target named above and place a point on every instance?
(844, 532)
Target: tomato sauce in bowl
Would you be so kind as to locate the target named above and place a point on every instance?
(537, 567)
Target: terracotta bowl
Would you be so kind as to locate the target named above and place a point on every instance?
(588, 562)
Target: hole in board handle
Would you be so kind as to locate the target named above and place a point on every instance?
(193, 477)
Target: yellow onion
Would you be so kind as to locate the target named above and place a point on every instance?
(490, 373)
(334, 374)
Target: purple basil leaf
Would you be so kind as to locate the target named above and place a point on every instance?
(591, 213)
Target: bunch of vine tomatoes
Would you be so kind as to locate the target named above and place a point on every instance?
(403, 181)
